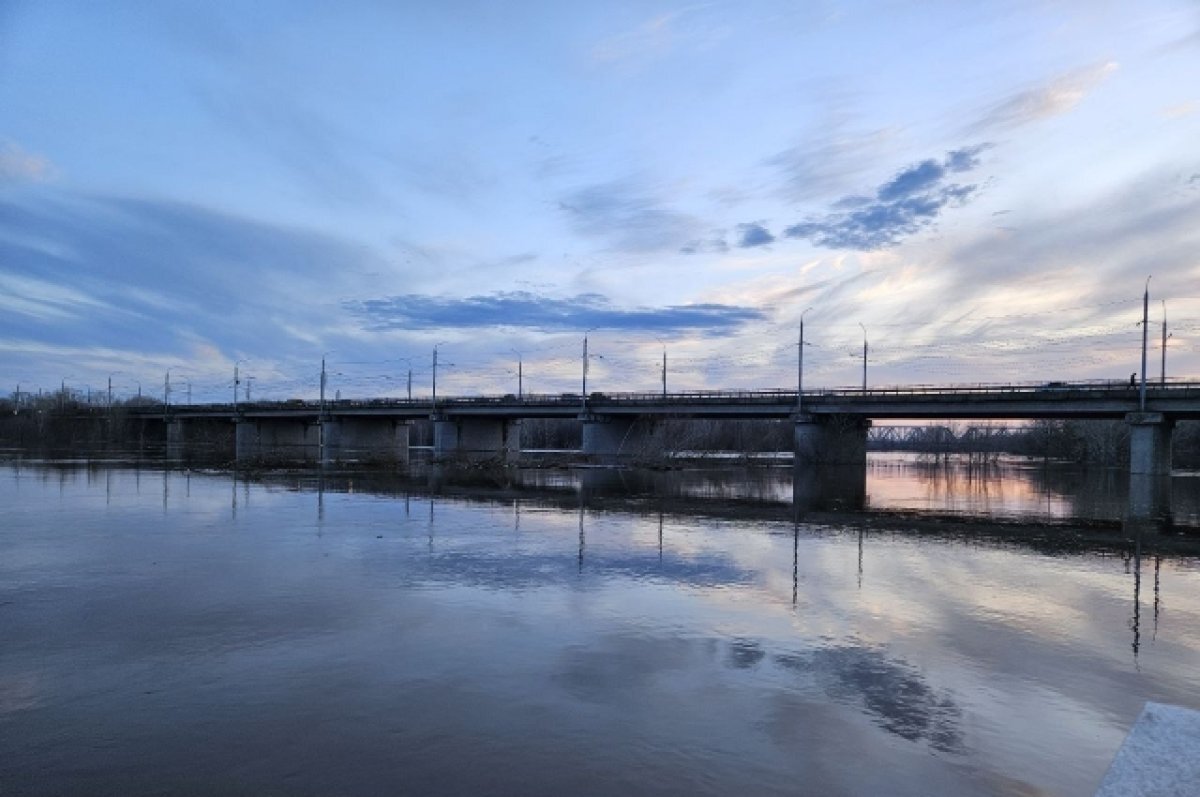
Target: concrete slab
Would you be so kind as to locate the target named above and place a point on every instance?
(1159, 758)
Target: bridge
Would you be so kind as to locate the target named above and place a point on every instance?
(831, 426)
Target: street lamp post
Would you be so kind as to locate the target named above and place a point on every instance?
(864, 329)
(1165, 337)
(324, 379)
(583, 395)
(800, 366)
(1145, 326)
(520, 373)
(664, 364)
(237, 381)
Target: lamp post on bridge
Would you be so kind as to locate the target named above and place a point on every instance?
(583, 394)
(520, 373)
(237, 380)
(408, 361)
(664, 364)
(324, 381)
(433, 400)
(1165, 337)
(864, 329)
(1145, 329)
(800, 365)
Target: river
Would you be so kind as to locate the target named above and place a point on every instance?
(945, 628)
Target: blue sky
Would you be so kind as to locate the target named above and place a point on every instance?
(985, 187)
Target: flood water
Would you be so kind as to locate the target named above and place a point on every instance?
(574, 632)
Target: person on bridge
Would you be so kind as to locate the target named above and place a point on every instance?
(1133, 379)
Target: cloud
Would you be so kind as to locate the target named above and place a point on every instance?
(312, 148)
(1055, 98)
(524, 309)
(658, 37)
(124, 273)
(716, 244)
(652, 38)
(629, 215)
(826, 165)
(753, 234)
(17, 165)
(904, 205)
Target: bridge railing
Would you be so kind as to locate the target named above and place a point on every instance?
(1093, 387)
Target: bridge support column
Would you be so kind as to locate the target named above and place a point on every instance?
(175, 440)
(245, 440)
(374, 440)
(276, 440)
(606, 437)
(1149, 470)
(1149, 443)
(829, 487)
(831, 440)
(476, 439)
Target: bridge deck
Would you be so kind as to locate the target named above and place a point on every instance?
(1180, 400)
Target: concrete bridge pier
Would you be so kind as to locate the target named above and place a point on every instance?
(276, 440)
(1149, 469)
(476, 439)
(365, 439)
(821, 488)
(606, 437)
(1149, 443)
(175, 440)
(831, 440)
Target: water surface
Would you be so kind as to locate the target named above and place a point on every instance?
(174, 632)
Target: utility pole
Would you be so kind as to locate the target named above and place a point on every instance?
(1145, 325)
(800, 366)
(1163, 377)
(322, 387)
(433, 401)
(664, 374)
(110, 392)
(167, 390)
(864, 329)
(583, 394)
(249, 379)
(410, 384)
(235, 385)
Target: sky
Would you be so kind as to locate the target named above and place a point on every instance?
(978, 190)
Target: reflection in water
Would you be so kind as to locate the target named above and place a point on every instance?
(795, 562)
(1134, 622)
(581, 539)
(893, 691)
(654, 674)
(1157, 567)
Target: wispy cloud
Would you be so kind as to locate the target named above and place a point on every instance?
(826, 164)
(17, 165)
(524, 309)
(904, 205)
(629, 215)
(714, 244)
(657, 37)
(142, 270)
(1059, 96)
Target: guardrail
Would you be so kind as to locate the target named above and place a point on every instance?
(1080, 389)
